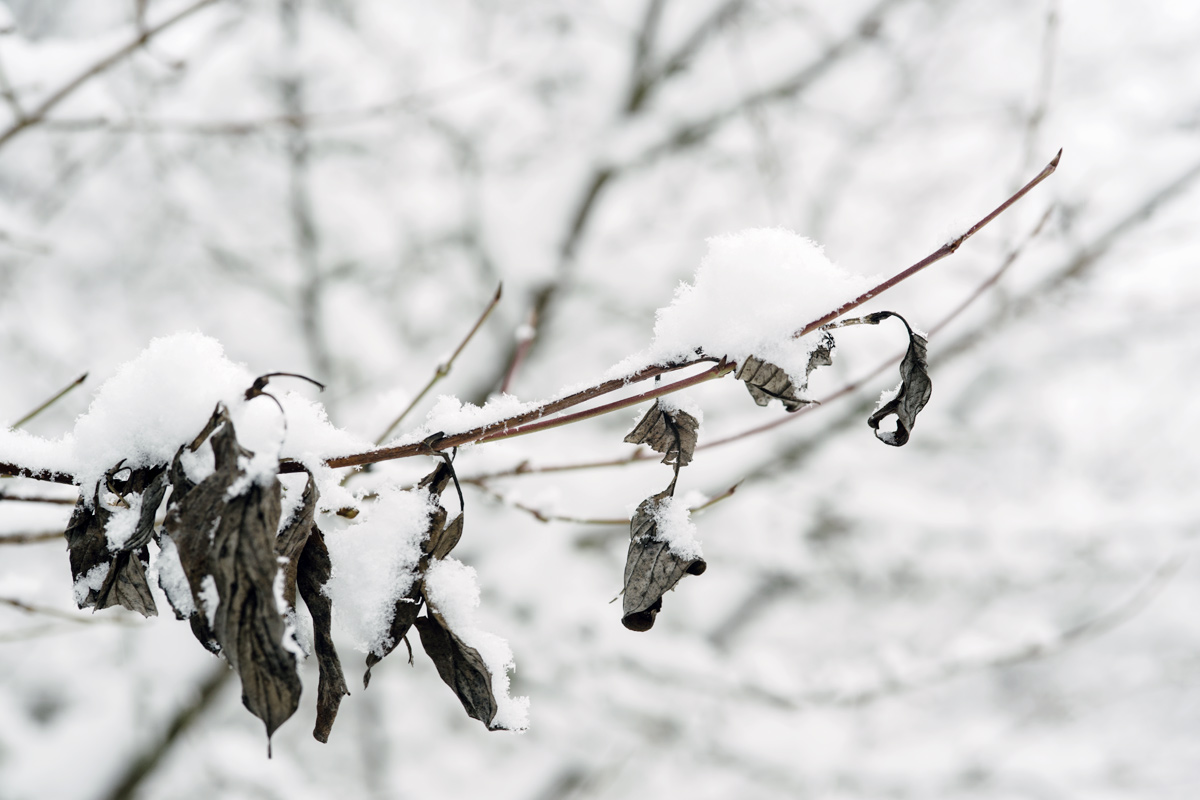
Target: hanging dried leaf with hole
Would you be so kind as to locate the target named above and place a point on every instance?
(915, 386)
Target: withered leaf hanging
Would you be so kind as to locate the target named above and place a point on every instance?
(766, 381)
(461, 667)
(915, 385)
(651, 567)
(224, 529)
(669, 431)
(105, 577)
(312, 573)
(293, 536)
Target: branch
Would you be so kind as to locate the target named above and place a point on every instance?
(945, 250)
(185, 718)
(443, 369)
(112, 59)
(543, 516)
(58, 396)
(692, 133)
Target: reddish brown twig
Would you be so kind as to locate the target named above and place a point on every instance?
(937, 255)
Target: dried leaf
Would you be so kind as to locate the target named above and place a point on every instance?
(88, 547)
(915, 385)
(461, 667)
(124, 571)
(671, 432)
(766, 381)
(443, 539)
(293, 537)
(651, 568)
(312, 573)
(227, 543)
(403, 616)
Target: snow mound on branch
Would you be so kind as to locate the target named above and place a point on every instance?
(753, 290)
(162, 399)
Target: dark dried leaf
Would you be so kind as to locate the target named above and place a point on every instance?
(229, 542)
(671, 432)
(915, 385)
(312, 574)
(461, 667)
(124, 578)
(651, 568)
(126, 583)
(403, 616)
(766, 381)
(294, 535)
(442, 540)
(88, 548)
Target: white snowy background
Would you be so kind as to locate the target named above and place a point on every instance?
(1003, 608)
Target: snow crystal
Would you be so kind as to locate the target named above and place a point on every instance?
(210, 598)
(374, 559)
(673, 519)
(168, 570)
(752, 292)
(92, 581)
(451, 589)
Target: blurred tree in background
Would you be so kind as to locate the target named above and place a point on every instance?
(336, 187)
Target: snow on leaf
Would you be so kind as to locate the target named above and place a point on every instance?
(231, 541)
(461, 667)
(652, 566)
(471, 661)
(92, 543)
(766, 381)
(437, 542)
(671, 432)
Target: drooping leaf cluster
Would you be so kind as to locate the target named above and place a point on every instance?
(232, 566)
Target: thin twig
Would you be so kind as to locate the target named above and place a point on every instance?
(543, 516)
(525, 336)
(144, 764)
(120, 54)
(31, 538)
(47, 611)
(945, 250)
(61, 501)
(58, 396)
(443, 369)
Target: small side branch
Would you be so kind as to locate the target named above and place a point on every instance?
(444, 368)
(58, 396)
